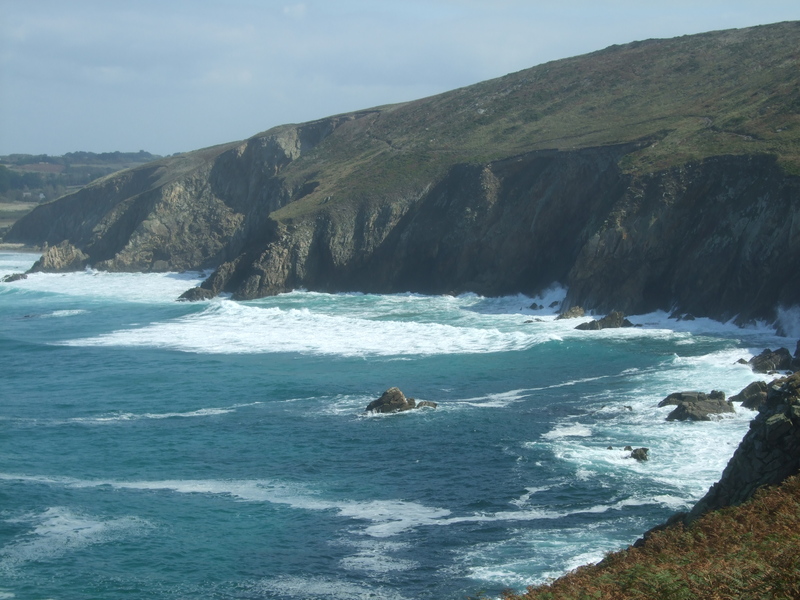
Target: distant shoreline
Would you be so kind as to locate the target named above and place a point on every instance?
(20, 248)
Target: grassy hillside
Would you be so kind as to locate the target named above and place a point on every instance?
(747, 552)
(729, 92)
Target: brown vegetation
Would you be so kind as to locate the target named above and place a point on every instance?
(747, 552)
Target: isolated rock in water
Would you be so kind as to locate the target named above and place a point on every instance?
(14, 277)
(640, 454)
(60, 258)
(753, 396)
(612, 320)
(572, 313)
(699, 408)
(426, 404)
(393, 401)
(780, 360)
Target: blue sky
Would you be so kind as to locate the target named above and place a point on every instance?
(175, 75)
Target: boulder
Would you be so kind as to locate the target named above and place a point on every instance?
(612, 320)
(767, 361)
(640, 454)
(753, 396)
(572, 313)
(14, 277)
(393, 401)
(701, 407)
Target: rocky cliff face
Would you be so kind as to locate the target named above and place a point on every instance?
(561, 173)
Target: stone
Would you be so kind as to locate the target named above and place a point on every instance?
(767, 361)
(14, 277)
(572, 313)
(555, 303)
(393, 401)
(752, 396)
(640, 454)
(612, 320)
(700, 409)
(535, 306)
(628, 448)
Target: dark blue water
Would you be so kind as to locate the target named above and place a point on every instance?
(154, 449)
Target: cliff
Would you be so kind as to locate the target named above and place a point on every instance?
(656, 174)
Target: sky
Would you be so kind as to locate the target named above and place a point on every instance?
(170, 76)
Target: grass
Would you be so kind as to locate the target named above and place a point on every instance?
(685, 99)
(747, 552)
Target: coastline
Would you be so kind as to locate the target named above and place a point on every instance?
(21, 248)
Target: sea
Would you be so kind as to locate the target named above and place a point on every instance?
(158, 449)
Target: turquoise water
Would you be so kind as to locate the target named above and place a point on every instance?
(155, 449)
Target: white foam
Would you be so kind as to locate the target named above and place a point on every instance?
(58, 531)
(375, 557)
(58, 314)
(127, 416)
(789, 321)
(568, 430)
(230, 327)
(323, 588)
(152, 288)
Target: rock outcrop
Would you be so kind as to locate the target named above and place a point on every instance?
(752, 396)
(574, 312)
(61, 257)
(770, 361)
(768, 454)
(393, 401)
(696, 406)
(612, 320)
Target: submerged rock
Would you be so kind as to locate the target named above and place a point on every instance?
(393, 400)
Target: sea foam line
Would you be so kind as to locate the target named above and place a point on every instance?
(386, 518)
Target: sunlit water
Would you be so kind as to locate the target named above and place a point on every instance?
(156, 449)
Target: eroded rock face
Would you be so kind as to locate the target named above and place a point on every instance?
(61, 257)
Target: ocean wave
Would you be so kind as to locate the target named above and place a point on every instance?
(227, 327)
